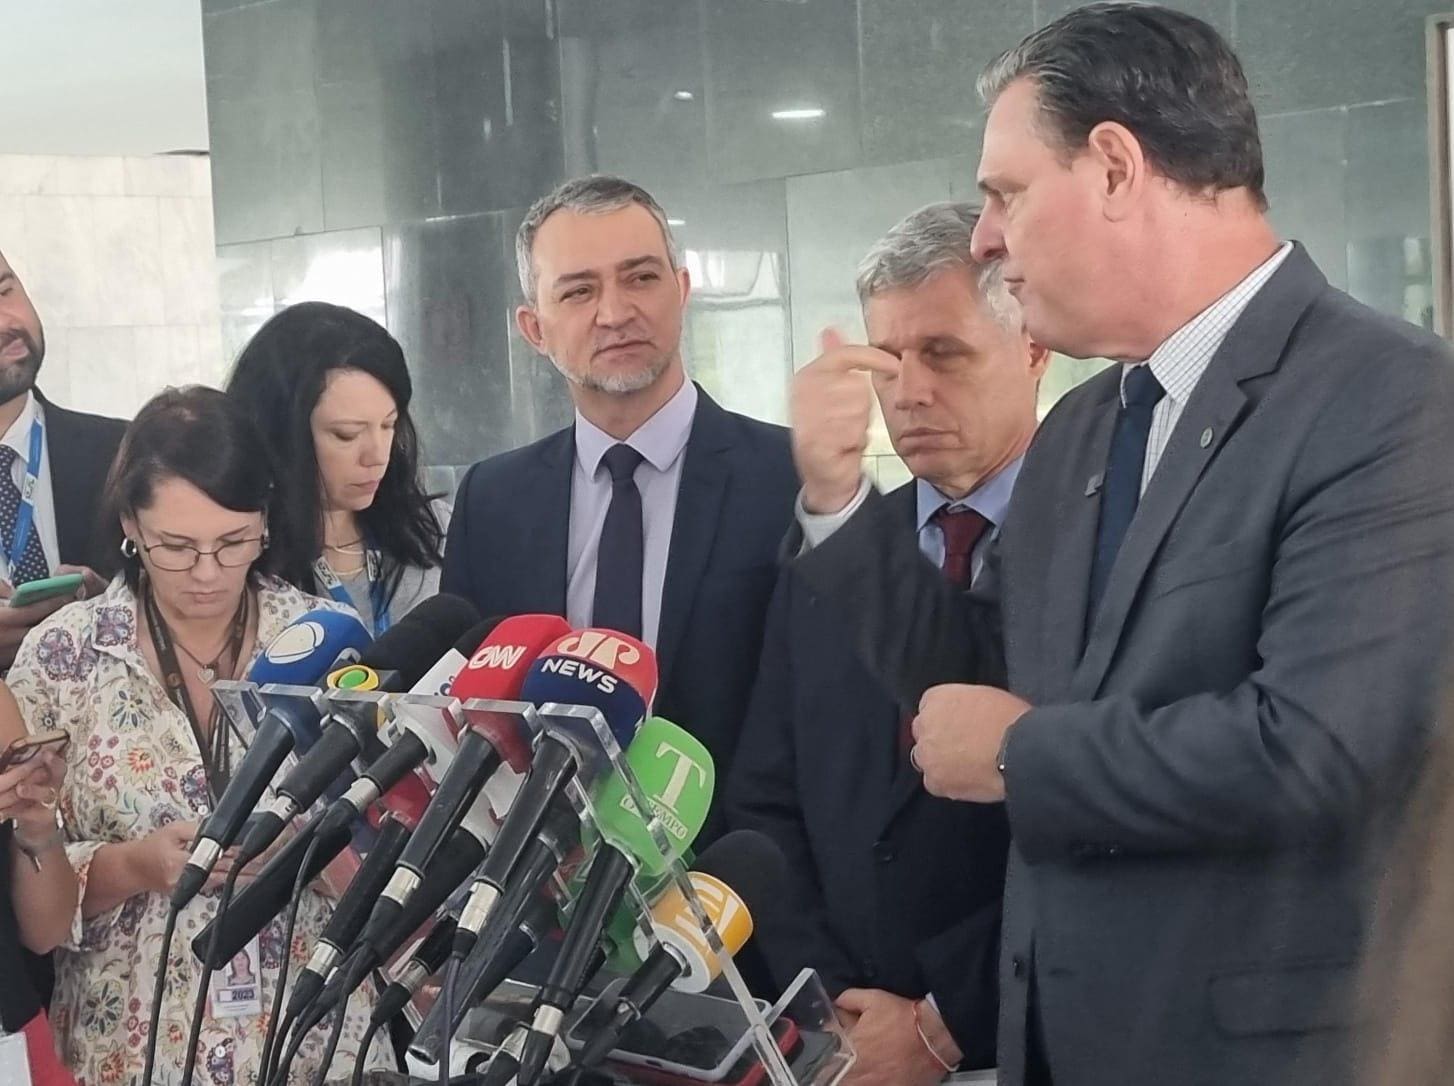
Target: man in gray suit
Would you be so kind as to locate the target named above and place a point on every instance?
(1222, 601)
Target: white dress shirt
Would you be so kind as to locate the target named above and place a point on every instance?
(1178, 364)
(662, 441)
(18, 438)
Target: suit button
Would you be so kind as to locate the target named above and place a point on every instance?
(1113, 850)
(884, 852)
(1017, 967)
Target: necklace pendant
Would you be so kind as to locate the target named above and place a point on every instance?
(206, 674)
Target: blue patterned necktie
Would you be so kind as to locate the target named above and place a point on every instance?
(32, 565)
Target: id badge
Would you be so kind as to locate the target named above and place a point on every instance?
(14, 1060)
(235, 990)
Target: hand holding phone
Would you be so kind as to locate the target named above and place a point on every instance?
(26, 747)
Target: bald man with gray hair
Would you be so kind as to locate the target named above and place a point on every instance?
(899, 890)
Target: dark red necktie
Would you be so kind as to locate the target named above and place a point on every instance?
(962, 529)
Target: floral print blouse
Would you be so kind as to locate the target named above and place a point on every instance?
(133, 767)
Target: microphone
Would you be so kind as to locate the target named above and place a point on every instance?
(451, 865)
(737, 875)
(306, 649)
(353, 907)
(428, 957)
(496, 671)
(267, 895)
(525, 916)
(414, 741)
(396, 661)
(611, 671)
(677, 777)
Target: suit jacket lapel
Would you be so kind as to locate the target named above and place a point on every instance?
(544, 525)
(75, 481)
(1253, 347)
(706, 472)
(1067, 582)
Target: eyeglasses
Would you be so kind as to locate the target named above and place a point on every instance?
(181, 557)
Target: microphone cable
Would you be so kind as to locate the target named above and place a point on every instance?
(208, 967)
(158, 992)
(363, 1053)
(451, 977)
(299, 882)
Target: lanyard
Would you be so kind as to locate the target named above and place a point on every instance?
(25, 516)
(374, 567)
(215, 749)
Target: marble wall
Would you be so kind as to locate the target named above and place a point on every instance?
(118, 255)
(380, 153)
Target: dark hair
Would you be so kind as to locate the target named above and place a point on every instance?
(278, 380)
(196, 434)
(1169, 77)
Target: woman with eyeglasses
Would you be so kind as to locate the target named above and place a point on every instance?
(128, 676)
(330, 391)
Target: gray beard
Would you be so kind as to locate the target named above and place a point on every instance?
(616, 385)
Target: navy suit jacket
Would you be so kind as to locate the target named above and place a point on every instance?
(507, 555)
(895, 889)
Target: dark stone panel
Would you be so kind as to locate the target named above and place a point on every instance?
(1306, 155)
(765, 58)
(267, 170)
(261, 50)
(920, 63)
(1307, 54)
(1219, 13)
(448, 290)
(380, 156)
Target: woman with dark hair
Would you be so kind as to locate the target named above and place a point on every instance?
(330, 390)
(128, 675)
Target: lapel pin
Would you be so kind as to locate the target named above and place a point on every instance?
(1207, 436)
(1093, 484)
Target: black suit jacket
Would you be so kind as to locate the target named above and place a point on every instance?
(1203, 796)
(81, 449)
(507, 555)
(895, 888)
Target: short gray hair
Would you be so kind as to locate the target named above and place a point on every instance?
(928, 241)
(597, 194)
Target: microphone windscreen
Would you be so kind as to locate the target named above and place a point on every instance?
(677, 776)
(308, 648)
(496, 670)
(609, 671)
(753, 865)
(411, 646)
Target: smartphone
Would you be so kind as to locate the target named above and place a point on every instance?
(27, 747)
(47, 588)
(745, 1070)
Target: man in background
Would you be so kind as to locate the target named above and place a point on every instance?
(900, 890)
(656, 513)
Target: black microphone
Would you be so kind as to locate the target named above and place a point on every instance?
(738, 877)
(268, 895)
(303, 652)
(560, 835)
(396, 661)
(431, 953)
(451, 865)
(352, 909)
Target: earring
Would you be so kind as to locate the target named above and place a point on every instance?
(128, 547)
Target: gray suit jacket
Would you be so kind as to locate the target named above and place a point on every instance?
(1201, 800)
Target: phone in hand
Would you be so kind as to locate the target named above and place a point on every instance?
(47, 588)
(27, 747)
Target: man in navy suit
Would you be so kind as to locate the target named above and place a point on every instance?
(900, 890)
(657, 512)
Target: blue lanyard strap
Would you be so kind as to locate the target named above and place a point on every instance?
(25, 516)
(374, 564)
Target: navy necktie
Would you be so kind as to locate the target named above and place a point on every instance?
(32, 564)
(1121, 487)
(620, 554)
